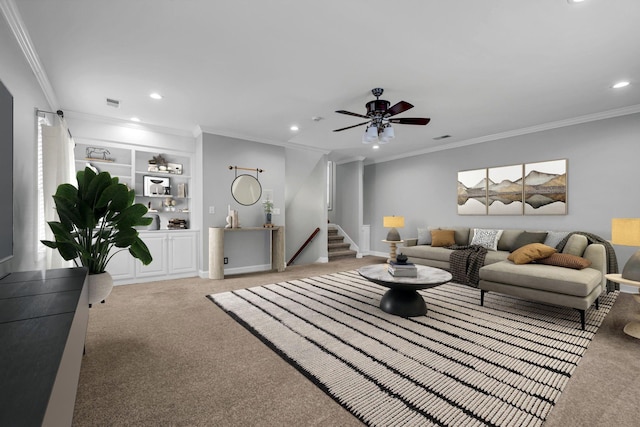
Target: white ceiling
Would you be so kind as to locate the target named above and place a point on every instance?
(251, 69)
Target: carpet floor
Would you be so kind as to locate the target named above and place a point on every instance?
(504, 364)
(161, 354)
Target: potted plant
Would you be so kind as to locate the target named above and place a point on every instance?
(95, 218)
(268, 209)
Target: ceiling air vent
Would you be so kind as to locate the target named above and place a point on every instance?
(438, 138)
(113, 103)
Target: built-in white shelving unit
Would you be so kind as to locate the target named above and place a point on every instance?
(174, 251)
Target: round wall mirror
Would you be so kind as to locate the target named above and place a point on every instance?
(246, 189)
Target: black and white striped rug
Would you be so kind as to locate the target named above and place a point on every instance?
(504, 364)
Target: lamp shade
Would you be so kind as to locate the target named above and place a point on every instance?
(393, 222)
(625, 231)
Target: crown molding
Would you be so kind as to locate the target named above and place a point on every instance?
(350, 160)
(127, 124)
(285, 144)
(19, 30)
(618, 112)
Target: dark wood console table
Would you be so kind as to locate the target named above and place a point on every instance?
(43, 324)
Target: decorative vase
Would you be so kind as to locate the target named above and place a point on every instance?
(100, 286)
(268, 218)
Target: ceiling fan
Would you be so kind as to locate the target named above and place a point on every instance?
(379, 114)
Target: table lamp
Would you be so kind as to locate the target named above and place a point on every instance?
(626, 232)
(393, 222)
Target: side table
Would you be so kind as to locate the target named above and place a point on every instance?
(631, 328)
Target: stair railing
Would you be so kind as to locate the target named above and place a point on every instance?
(304, 245)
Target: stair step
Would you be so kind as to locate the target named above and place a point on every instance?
(332, 231)
(342, 254)
(333, 247)
(334, 239)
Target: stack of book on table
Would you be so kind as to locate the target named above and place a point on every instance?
(408, 269)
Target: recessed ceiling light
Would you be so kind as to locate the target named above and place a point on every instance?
(375, 147)
(620, 84)
(155, 95)
(135, 119)
(574, 1)
(294, 128)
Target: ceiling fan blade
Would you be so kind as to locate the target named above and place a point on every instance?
(398, 108)
(349, 113)
(411, 121)
(349, 127)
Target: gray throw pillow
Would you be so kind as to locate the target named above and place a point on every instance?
(527, 237)
(424, 236)
(555, 237)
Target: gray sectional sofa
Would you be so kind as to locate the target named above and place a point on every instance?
(576, 288)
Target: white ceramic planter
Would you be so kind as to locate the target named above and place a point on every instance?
(100, 286)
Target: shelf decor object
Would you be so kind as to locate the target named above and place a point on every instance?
(626, 232)
(155, 186)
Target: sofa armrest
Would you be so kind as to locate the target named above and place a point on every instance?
(412, 241)
(597, 254)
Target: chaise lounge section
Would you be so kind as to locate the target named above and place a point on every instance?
(563, 283)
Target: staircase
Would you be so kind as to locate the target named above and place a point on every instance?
(337, 247)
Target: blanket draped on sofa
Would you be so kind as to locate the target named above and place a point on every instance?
(465, 262)
(612, 260)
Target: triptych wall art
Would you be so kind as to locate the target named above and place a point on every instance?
(529, 189)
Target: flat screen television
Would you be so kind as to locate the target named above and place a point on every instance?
(6, 178)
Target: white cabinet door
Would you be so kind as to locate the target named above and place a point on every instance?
(182, 252)
(157, 244)
(122, 265)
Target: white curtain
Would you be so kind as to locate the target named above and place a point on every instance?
(57, 168)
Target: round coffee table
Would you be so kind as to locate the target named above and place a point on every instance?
(402, 298)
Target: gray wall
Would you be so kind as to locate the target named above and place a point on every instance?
(603, 174)
(17, 76)
(306, 177)
(348, 198)
(218, 153)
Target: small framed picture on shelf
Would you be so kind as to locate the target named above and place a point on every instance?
(156, 186)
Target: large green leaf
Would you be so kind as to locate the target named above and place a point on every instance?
(95, 189)
(130, 216)
(125, 237)
(115, 196)
(139, 250)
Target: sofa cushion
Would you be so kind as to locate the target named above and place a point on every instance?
(507, 239)
(486, 238)
(530, 252)
(441, 238)
(543, 277)
(427, 252)
(527, 237)
(555, 237)
(495, 256)
(576, 245)
(565, 260)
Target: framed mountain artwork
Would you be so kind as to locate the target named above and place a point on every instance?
(504, 190)
(545, 188)
(472, 192)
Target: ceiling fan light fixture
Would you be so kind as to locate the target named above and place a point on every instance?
(387, 135)
(370, 135)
